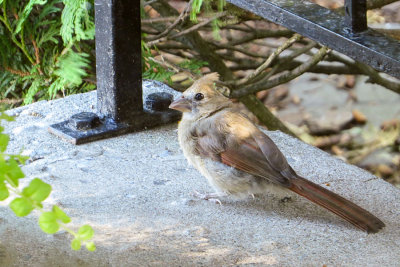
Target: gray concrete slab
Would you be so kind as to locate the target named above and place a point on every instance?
(136, 192)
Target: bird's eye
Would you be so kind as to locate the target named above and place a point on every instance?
(199, 96)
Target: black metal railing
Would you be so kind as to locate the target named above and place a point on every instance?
(119, 80)
(118, 58)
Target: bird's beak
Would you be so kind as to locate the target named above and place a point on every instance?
(181, 104)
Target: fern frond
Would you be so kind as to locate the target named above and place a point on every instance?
(33, 89)
(27, 10)
(55, 87)
(71, 67)
(77, 21)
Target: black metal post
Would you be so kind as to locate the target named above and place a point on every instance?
(356, 15)
(118, 59)
(119, 80)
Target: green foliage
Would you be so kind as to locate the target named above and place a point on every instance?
(207, 5)
(46, 48)
(193, 65)
(152, 70)
(77, 21)
(84, 233)
(71, 67)
(32, 196)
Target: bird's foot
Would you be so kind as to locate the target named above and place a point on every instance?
(286, 200)
(212, 197)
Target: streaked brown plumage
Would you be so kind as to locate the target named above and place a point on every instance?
(239, 159)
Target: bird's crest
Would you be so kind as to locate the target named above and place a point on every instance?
(207, 80)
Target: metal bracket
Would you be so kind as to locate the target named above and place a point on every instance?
(87, 127)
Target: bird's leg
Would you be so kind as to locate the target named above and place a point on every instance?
(212, 197)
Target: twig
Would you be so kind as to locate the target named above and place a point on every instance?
(189, 30)
(149, 2)
(181, 17)
(374, 76)
(11, 101)
(269, 60)
(158, 20)
(285, 60)
(284, 78)
(238, 49)
(37, 56)
(169, 65)
(17, 72)
(373, 4)
(261, 34)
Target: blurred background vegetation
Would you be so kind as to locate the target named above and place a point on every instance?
(47, 51)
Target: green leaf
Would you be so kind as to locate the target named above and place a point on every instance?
(37, 190)
(3, 191)
(13, 171)
(48, 222)
(4, 116)
(21, 206)
(91, 246)
(61, 214)
(4, 138)
(76, 244)
(196, 6)
(85, 232)
(3, 169)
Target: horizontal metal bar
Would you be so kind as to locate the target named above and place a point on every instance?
(328, 28)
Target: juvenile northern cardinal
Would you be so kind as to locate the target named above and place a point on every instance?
(239, 159)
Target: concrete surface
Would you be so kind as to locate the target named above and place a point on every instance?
(320, 97)
(136, 192)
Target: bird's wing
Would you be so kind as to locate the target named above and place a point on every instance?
(236, 142)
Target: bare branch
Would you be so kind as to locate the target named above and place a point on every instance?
(181, 17)
(374, 76)
(199, 25)
(373, 4)
(189, 30)
(238, 49)
(149, 2)
(284, 78)
(169, 65)
(261, 34)
(269, 60)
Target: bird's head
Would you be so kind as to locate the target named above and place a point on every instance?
(201, 98)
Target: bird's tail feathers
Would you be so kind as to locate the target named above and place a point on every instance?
(349, 211)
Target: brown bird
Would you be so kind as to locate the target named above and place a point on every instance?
(238, 159)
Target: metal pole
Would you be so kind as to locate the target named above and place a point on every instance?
(356, 15)
(118, 58)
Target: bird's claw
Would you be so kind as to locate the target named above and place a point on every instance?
(212, 197)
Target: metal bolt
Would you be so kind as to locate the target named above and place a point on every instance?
(84, 121)
(158, 101)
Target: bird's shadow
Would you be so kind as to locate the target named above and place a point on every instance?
(290, 208)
